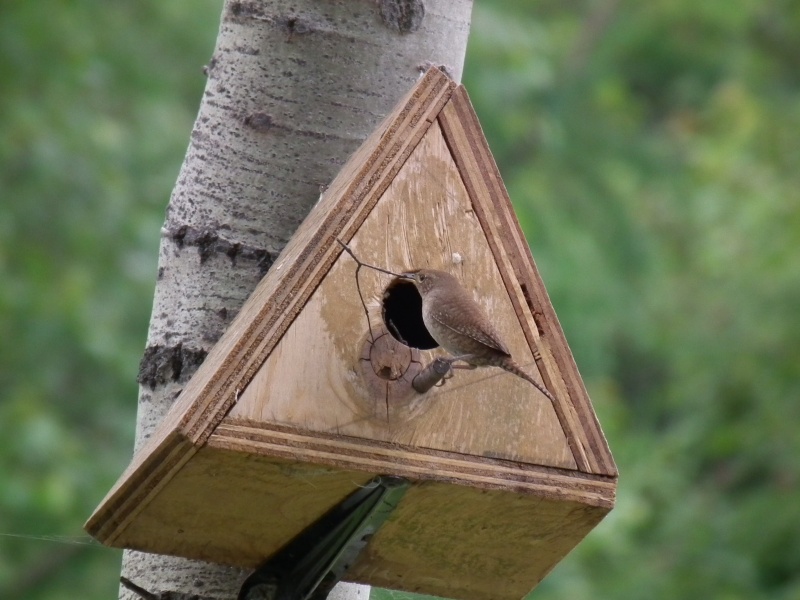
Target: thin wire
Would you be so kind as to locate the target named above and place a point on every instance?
(363, 264)
(360, 264)
(79, 540)
(364, 305)
(358, 283)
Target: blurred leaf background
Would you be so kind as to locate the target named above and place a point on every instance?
(653, 155)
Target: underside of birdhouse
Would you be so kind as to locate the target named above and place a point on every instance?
(309, 393)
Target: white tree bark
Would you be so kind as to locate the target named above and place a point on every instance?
(293, 89)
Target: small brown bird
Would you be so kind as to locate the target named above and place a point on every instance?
(460, 326)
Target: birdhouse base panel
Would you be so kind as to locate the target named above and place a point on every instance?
(268, 484)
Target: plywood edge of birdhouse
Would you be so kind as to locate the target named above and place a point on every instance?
(481, 177)
(355, 453)
(145, 476)
(307, 257)
(322, 375)
(475, 528)
(269, 311)
(469, 527)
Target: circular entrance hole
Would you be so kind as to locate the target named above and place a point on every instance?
(402, 315)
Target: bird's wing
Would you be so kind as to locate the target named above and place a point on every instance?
(469, 316)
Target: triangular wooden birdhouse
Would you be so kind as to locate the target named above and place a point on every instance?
(307, 396)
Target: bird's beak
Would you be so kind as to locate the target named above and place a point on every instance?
(409, 276)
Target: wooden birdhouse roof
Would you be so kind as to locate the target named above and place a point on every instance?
(289, 412)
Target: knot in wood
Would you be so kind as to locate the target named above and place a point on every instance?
(389, 359)
(387, 368)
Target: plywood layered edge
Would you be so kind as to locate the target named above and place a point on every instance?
(359, 454)
(307, 258)
(457, 533)
(482, 179)
(241, 351)
(141, 481)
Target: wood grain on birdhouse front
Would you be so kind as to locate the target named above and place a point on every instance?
(425, 219)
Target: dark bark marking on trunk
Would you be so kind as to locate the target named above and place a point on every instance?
(164, 364)
(404, 16)
(209, 243)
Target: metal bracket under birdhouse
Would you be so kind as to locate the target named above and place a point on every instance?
(310, 565)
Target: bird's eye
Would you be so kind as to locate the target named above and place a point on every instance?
(421, 277)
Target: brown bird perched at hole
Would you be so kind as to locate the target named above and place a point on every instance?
(460, 326)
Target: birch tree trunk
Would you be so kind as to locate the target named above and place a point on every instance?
(293, 89)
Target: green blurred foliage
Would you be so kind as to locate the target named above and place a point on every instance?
(97, 101)
(651, 150)
(652, 155)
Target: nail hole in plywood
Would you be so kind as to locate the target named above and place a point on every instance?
(537, 315)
